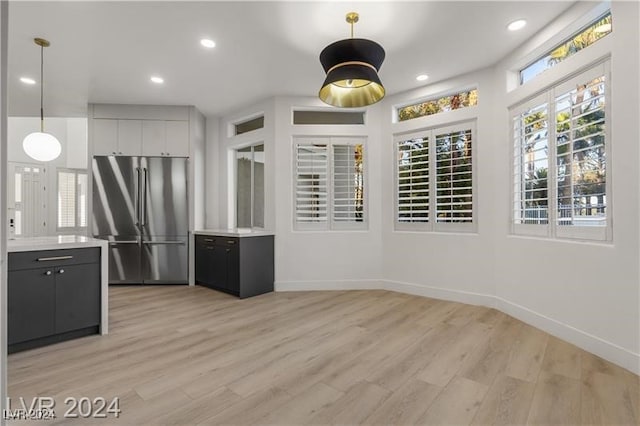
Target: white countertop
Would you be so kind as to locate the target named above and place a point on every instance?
(234, 232)
(53, 243)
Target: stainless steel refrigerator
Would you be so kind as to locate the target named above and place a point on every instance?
(140, 206)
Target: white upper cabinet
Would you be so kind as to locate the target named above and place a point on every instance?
(105, 137)
(165, 138)
(117, 137)
(177, 138)
(129, 137)
(133, 130)
(154, 138)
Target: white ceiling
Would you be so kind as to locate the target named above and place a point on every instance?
(106, 51)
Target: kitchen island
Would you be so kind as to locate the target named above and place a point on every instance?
(236, 261)
(57, 289)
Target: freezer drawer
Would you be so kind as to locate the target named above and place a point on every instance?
(165, 260)
(124, 261)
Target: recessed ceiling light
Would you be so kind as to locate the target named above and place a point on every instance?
(157, 80)
(422, 77)
(208, 43)
(27, 80)
(517, 25)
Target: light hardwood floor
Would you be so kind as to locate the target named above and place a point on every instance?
(180, 355)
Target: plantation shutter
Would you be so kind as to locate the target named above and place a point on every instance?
(581, 156)
(311, 183)
(531, 164)
(66, 199)
(413, 180)
(348, 183)
(454, 178)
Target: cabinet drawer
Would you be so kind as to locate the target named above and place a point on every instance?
(207, 240)
(47, 258)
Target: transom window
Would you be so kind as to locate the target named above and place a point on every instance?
(437, 105)
(560, 160)
(580, 40)
(434, 179)
(329, 183)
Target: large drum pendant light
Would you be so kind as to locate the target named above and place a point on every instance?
(352, 67)
(41, 146)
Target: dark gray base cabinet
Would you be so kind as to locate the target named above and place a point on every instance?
(53, 295)
(239, 266)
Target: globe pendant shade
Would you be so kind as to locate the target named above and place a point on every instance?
(41, 146)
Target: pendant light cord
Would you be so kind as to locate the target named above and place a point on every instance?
(41, 88)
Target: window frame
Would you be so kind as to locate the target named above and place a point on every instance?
(331, 224)
(77, 219)
(550, 93)
(235, 185)
(432, 225)
(591, 23)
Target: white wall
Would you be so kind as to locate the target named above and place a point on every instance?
(72, 134)
(325, 259)
(586, 293)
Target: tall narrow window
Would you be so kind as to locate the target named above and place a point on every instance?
(311, 183)
(561, 189)
(72, 199)
(413, 180)
(348, 183)
(580, 153)
(329, 183)
(454, 177)
(531, 162)
(434, 176)
(250, 187)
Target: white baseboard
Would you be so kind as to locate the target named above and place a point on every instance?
(590, 343)
(467, 297)
(596, 345)
(328, 285)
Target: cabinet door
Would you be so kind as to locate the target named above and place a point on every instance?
(177, 138)
(77, 297)
(31, 304)
(129, 137)
(204, 264)
(154, 138)
(219, 268)
(233, 270)
(105, 137)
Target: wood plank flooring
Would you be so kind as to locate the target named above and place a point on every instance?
(184, 355)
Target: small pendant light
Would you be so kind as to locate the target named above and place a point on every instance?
(352, 67)
(41, 146)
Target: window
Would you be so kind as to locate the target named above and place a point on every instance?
(569, 174)
(249, 125)
(329, 183)
(438, 105)
(434, 179)
(582, 39)
(328, 117)
(250, 187)
(72, 199)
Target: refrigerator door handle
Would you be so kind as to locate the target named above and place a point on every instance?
(138, 196)
(115, 243)
(164, 242)
(144, 198)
